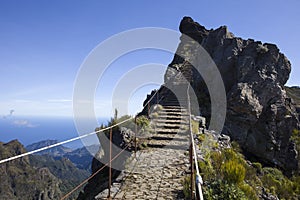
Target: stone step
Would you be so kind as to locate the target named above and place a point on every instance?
(165, 137)
(169, 113)
(175, 103)
(175, 125)
(171, 127)
(174, 109)
(175, 100)
(170, 131)
(170, 121)
(166, 146)
(165, 116)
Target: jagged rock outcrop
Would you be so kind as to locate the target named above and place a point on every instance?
(260, 115)
(121, 138)
(19, 180)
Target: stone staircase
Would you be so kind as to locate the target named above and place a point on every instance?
(176, 96)
(157, 172)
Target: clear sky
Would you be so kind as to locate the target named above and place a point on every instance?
(43, 43)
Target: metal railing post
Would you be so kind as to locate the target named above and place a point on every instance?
(135, 146)
(192, 172)
(193, 156)
(109, 178)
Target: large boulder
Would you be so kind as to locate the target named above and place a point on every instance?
(260, 115)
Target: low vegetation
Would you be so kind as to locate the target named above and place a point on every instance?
(140, 123)
(228, 175)
(195, 127)
(295, 137)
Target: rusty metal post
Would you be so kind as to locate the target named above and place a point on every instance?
(192, 171)
(110, 152)
(135, 146)
(148, 108)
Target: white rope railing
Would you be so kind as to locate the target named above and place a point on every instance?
(72, 139)
(199, 180)
(61, 143)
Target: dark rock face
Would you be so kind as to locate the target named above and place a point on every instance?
(260, 116)
(121, 138)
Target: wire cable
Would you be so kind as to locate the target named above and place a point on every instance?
(61, 143)
(94, 174)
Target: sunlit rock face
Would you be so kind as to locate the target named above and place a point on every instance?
(260, 115)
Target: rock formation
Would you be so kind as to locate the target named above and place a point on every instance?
(260, 115)
(19, 180)
(121, 137)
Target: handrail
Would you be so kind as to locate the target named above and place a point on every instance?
(80, 137)
(61, 143)
(73, 139)
(94, 174)
(199, 180)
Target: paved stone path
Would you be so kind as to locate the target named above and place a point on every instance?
(157, 172)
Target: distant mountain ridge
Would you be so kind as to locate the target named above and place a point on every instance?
(55, 151)
(294, 93)
(80, 157)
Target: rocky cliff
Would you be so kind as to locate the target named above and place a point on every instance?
(19, 180)
(260, 115)
(121, 138)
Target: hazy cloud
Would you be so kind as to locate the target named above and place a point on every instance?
(59, 100)
(23, 101)
(23, 123)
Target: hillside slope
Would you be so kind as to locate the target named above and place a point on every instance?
(20, 180)
(294, 93)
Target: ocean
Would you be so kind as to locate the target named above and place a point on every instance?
(28, 130)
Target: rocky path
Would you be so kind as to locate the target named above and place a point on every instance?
(157, 172)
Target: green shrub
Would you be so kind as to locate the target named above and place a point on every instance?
(233, 172)
(217, 161)
(295, 137)
(296, 181)
(251, 176)
(249, 191)
(258, 167)
(227, 175)
(158, 107)
(154, 115)
(186, 187)
(142, 121)
(235, 146)
(195, 127)
(207, 170)
(201, 137)
(219, 189)
(278, 184)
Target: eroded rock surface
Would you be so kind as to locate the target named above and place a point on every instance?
(260, 115)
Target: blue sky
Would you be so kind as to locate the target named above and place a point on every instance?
(43, 43)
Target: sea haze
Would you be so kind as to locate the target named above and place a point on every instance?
(29, 130)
